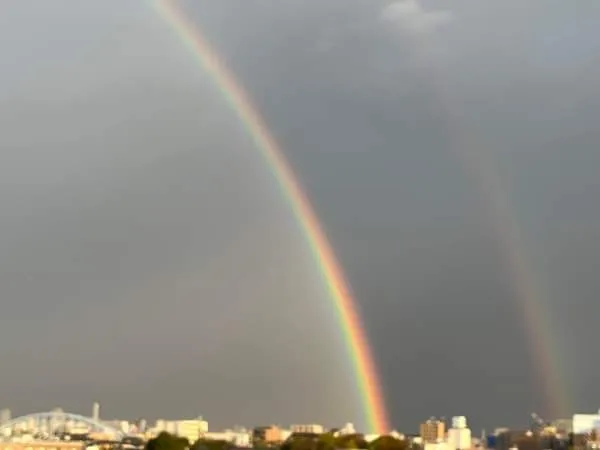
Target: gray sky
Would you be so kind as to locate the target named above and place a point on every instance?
(149, 262)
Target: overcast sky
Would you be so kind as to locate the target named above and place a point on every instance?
(148, 260)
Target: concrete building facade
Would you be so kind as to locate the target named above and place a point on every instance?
(459, 436)
(191, 429)
(432, 431)
(585, 423)
(310, 428)
(271, 434)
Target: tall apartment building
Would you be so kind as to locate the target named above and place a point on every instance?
(433, 430)
(459, 436)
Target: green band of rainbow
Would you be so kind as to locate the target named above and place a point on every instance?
(354, 336)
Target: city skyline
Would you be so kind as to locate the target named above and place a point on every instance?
(431, 428)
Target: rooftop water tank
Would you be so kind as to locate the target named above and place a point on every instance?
(459, 422)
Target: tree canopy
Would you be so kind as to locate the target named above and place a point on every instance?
(388, 443)
(325, 441)
(167, 441)
(211, 444)
(303, 443)
(328, 441)
(351, 441)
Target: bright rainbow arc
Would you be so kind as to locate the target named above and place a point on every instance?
(354, 336)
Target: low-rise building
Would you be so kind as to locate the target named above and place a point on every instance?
(191, 429)
(586, 423)
(270, 434)
(237, 438)
(432, 431)
(41, 445)
(309, 428)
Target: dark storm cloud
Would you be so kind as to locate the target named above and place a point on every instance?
(153, 206)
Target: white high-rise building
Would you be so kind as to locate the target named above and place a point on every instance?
(96, 411)
(459, 436)
(5, 415)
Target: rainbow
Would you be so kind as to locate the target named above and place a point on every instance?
(528, 292)
(358, 348)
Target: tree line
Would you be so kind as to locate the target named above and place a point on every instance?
(325, 441)
(328, 441)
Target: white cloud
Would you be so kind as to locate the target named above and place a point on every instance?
(411, 16)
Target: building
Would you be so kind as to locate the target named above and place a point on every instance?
(563, 426)
(42, 445)
(96, 411)
(370, 437)
(239, 438)
(285, 434)
(505, 439)
(122, 425)
(432, 431)
(191, 429)
(311, 428)
(271, 434)
(580, 442)
(441, 445)
(346, 430)
(5, 415)
(585, 423)
(459, 436)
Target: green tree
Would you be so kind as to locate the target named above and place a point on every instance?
(351, 441)
(167, 441)
(260, 445)
(211, 444)
(301, 443)
(388, 443)
(326, 441)
(199, 445)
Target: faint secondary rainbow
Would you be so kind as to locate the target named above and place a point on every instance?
(367, 378)
(528, 291)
